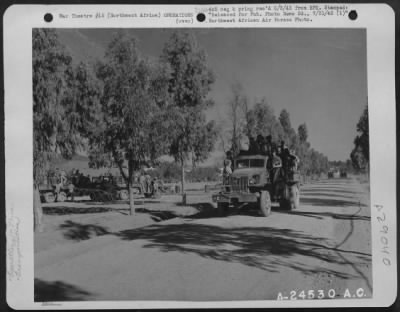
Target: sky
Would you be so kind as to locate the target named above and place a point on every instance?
(318, 75)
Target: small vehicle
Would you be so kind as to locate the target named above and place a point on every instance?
(334, 173)
(251, 182)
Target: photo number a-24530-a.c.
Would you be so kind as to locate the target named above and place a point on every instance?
(321, 294)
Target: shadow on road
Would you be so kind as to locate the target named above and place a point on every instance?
(265, 248)
(326, 202)
(157, 215)
(78, 232)
(64, 210)
(322, 215)
(205, 211)
(58, 291)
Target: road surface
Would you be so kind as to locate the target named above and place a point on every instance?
(324, 246)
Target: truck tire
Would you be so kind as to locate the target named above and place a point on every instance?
(49, 197)
(284, 203)
(295, 196)
(265, 203)
(222, 209)
(123, 194)
(61, 197)
(93, 196)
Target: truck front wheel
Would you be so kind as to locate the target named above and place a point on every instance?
(49, 197)
(123, 194)
(61, 197)
(265, 203)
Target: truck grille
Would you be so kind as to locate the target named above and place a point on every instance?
(239, 184)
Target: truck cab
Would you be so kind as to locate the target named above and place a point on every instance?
(251, 183)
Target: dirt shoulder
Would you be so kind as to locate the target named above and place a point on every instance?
(192, 254)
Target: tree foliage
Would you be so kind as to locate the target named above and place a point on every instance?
(188, 87)
(237, 106)
(303, 133)
(65, 100)
(261, 119)
(50, 64)
(131, 119)
(360, 153)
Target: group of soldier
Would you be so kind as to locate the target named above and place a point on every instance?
(281, 161)
(147, 184)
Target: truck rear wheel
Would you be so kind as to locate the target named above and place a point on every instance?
(265, 203)
(123, 195)
(285, 202)
(61, 197)
(222, 209)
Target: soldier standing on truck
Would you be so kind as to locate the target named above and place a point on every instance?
(276, 166)
(268, 145)
(285, 160)
(293, 161)
(227, 171)
(229, 157)
(253, 147)
(260, 144)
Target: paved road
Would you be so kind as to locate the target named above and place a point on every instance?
(323, 245)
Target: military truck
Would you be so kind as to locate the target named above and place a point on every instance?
(251, 183)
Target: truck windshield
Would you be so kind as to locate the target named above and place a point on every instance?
(250, 163)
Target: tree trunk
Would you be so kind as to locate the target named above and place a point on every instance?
(37, 210)
(183, 182)
(131, 200)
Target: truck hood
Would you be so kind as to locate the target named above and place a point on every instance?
(247, 172)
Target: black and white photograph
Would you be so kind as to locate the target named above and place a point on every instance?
(201, 164)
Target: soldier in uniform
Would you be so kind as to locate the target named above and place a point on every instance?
(276, 164)
(260, 143)
(253, 147)
(293, 161)
(229, 157)
(227, 171)
(285, 160)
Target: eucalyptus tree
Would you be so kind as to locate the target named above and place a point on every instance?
(189, 86)
(65, 100)
(134, 119)
(360, 153)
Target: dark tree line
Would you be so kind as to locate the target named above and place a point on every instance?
(124, 109)
(360, 154)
